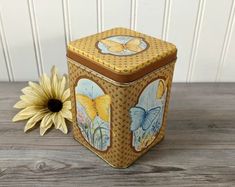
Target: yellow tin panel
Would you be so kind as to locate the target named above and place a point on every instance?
(123, 51)
(120, 150)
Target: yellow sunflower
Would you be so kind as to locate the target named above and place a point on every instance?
(47, 102)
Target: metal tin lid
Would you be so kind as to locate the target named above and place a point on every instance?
(122, 54)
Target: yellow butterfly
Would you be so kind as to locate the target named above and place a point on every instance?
(131, 45)
(95, 107)
(162, 85)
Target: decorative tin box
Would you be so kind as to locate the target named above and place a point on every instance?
(120, 84)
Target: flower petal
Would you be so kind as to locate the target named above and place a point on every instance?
(66, 114)
(21, 104)
(63, 126)
(59, 123)
(32, 121)
(54, 70)
(45, 83)
(67, 105)
(62, 87)
(29, 91)
(54, 83)
(65, 95)
(38, 89)
(26, 113)
(26, 90)
(43, 130)
(32, 100)
(46, 123)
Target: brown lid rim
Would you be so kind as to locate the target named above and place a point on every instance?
(122, 78)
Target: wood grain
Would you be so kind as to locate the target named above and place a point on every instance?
(198, 150)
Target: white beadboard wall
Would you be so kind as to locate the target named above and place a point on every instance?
(34, 33)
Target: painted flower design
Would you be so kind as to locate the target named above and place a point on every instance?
(47, 103)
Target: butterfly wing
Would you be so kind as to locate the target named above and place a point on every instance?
(102, 104)
(88, 105)
(112, 45)
(151, 117)
(134, 45)
(137, 117)
(160, 89)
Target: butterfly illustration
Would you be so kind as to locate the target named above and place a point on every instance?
(144, 119)
(162, 86)
(95, 107)
(116, 47)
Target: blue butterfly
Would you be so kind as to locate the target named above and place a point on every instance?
(145, 119)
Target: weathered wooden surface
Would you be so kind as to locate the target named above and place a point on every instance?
(198, 150)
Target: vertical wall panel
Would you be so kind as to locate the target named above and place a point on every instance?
(211, 40)
(50, 25)
(16, 22)
(116, 13)
(181, 32)
(3, 61)
(34, 33)
(150, 16)
(83, 16)
(3, 69)
(228, 69)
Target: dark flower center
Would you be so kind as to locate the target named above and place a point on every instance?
(54, 105)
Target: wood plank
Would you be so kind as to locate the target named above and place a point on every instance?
(198, 150)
